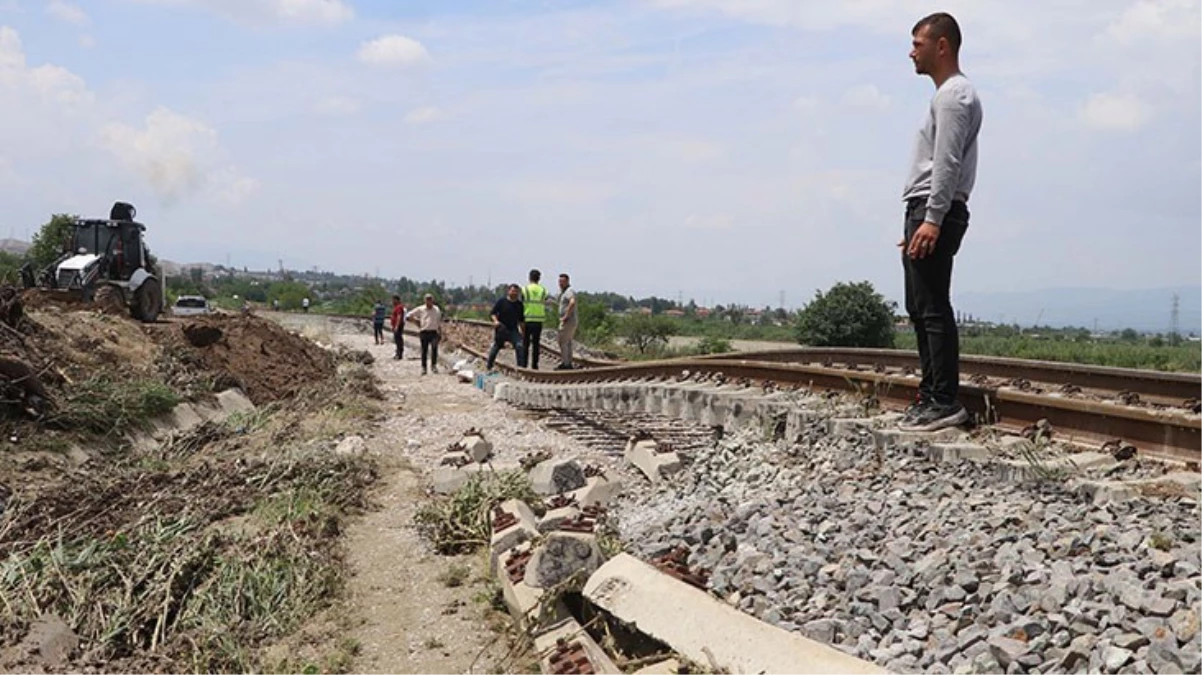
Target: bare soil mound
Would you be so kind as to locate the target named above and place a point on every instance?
(266, 361)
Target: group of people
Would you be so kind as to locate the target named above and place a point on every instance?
(427, 316)
(518, 319)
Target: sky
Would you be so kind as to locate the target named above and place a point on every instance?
(716, 150)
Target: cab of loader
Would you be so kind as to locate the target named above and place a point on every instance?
(117, 242)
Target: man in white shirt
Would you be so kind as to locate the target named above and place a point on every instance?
(428, 318)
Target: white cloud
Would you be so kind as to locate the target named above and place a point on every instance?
(806, 104)
(1114, 112)
(1154, 22)
(569, 192)
(66, 11)
(393, 50)
(336, 106)
(424, 114)
(866, 96)
(718, 222)
(174, 153)
(283, 11)
(689, 150)
(51, 83)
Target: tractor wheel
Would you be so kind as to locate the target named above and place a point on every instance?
(107, 298)
(148, 301)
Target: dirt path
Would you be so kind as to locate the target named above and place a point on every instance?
(405, 617)
(412, 620)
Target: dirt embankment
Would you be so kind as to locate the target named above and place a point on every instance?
(197, 553)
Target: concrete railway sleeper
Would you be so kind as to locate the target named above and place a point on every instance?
(1158, 433)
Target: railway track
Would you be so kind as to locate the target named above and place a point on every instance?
(1156, 412)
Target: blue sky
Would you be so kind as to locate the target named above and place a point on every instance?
(718, 149)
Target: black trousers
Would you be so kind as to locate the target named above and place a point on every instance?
(398, 336)
(429, 340)
(533, 344)
(929, 303)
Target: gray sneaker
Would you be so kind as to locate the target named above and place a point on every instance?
(913, 409)
(934, 417)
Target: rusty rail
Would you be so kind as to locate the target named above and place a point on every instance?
(1166, 434)
(1176, 386)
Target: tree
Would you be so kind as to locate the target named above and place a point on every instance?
(848, 315)
(596, 325)
(644, 332)
(51, 240)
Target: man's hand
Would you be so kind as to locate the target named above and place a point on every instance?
(922, 243)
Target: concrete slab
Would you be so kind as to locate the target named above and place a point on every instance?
(476, 448)
(522, 600)
(234, 401)
(575, 643)
(557, 476)
(655, 465)
(598, 491)
(553, 517)
(561, 556)
(846, 426)
(698, 626)
(887, 438)
(448, 479)
(513, 523)
(952, 452)
(665, 667)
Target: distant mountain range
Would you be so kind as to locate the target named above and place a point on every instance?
(1145, 309)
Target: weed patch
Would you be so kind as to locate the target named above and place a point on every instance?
(105, 402)
(461, 523)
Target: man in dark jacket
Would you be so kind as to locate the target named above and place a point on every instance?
(509, 321)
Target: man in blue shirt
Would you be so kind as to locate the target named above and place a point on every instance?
(379, 314)
(509, 321)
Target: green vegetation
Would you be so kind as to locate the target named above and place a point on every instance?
(848, 315)
(1146, 354)
(105, 402)
(170, 573)
(50, 240)
(462, 522)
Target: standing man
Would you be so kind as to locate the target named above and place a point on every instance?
(508, 317)
(534, 299)
(428, 318)
(305, 304)
(942, 174)
(567, 321)
(379, 313)
(398, 326)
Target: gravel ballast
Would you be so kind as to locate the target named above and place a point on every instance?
(925, 567)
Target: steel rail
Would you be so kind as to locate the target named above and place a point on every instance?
(1162, 434)
(1176, 386)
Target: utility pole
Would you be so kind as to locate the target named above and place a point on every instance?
(1175, 316)
(782, 299)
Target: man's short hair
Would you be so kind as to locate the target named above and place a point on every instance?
(941, 25)
(513, 287)
(535, 275)
(397, 298)
(429, 296)
(564, 276)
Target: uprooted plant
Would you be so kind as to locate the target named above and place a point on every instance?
(461, 522)
(170, 562)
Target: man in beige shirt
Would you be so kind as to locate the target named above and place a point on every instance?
(428, 318)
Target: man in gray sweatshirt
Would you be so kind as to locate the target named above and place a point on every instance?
(941, 179)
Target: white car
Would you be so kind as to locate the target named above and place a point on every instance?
(190, 305)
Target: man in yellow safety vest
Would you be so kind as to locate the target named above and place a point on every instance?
(534, 298)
